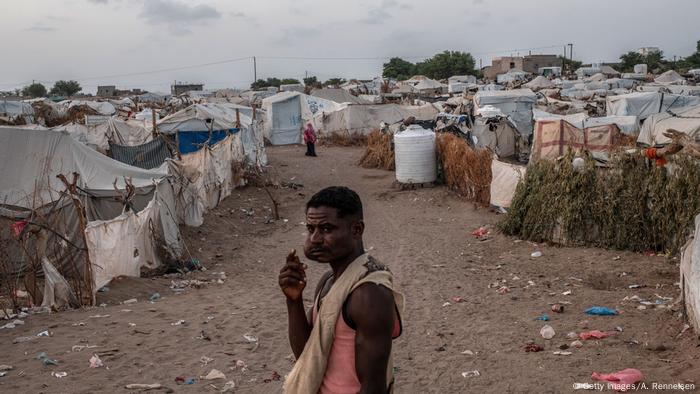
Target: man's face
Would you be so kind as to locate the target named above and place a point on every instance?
(329, 237)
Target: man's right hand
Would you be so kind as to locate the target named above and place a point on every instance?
(292, 277)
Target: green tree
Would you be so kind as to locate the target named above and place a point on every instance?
(446, 64)
(398, 68)
(34, 90)
(311, 81)
(692, 61)
(335, 82)
(654, 61)
(570, 65)
(65, 88)
(289, 81)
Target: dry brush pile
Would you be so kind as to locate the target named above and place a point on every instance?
(465, 170)
(631, 205)
(379, 152)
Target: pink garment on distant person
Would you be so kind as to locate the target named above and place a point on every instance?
(341, 376)
(309, 134)
(622, 380)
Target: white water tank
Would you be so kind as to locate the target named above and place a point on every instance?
(415, 157)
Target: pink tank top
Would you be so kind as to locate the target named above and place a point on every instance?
(341, 376)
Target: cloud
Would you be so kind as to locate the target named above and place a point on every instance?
(40, 28)
(99, 1)
(383, 11)
(177, 16)
(298, 34)
(477, 2)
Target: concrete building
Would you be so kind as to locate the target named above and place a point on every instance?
(530, 64)
(180, 88)
(106, 91)
(646, 51)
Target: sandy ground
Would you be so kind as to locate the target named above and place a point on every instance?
(425, 237)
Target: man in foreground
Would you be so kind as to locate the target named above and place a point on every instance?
(343, 342)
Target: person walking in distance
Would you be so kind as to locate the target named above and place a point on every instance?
(310, 140)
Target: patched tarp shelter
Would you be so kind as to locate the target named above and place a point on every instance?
(516, 104)
(286, 113)
(361, 119)
(690, 277)
(645, 104)
(504, 180)
(554, 138)
(685, 120)
(498, 134)
(31, 194)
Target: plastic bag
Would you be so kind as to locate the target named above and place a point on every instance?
(57, 292)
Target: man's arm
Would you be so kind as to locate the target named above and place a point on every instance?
(371, 309)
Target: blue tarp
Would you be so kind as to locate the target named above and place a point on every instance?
(192, 141)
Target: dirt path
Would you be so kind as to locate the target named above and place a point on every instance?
(425, 236)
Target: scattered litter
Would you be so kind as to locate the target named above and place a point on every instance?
(469, 352)
(533, 347)
(215, 374)
(547, 332)
(178, 323)
(470, 374)
(480, 232)
(3, 374)
(543, 317)
(205, 360)
(59, 374)
(458, 299)
(98, 316)
(142, 386)
(601, 311)
(620, 381)
(229, 386)
(250, 338)
(572, 335)
(203, 335)
(568, 292)
(184, 380)
(636, 286)
(5, 367)
(559, 353)
(95, 361)
(446, 304)
(536, 254)
(154, 297)
(577, 344)
(13, 324)
(558, 308)
(44, 334)
(44, 358)
(503, 290)
(130, 301)
(78, 348)
(594, 334)
(619, 329)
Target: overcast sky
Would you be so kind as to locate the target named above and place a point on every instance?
(115, 41)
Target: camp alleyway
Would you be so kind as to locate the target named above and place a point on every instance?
(472, 303)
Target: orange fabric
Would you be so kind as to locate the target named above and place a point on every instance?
(652, 154)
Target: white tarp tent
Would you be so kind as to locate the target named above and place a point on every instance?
(430, 86)
(645, 104)
(13, 109)
(686, 120)
(670, 77)
(516, 104)
(221, 116)
(339, 96)
(286, 113)
(102, 107)
(540, 83)
(34, 185)
(690, 277)
(363, 118)
(627, 124)
(504, 180)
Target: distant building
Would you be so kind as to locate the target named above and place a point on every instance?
(646, 51)
(530, 64)
(180, 88)
(107, 91)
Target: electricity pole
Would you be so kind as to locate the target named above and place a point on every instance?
(255, 70)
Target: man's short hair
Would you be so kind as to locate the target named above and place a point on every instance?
(343, 199)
